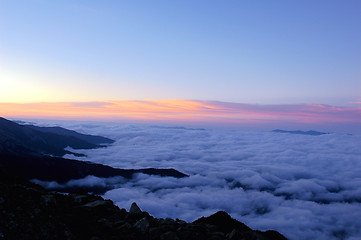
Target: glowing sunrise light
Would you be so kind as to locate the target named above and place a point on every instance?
(183, 110)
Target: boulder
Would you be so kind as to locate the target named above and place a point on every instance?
(142, 225)
(134, 209)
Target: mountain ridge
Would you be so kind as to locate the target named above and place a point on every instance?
(44, 140)
(310, 132)
(18, 159)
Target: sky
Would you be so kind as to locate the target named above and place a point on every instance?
(258, 52)
(254, 60)
(276, 64)
(201, 113)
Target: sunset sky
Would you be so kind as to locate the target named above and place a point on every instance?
(194, 53)
(195, 86)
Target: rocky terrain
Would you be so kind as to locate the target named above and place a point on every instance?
(27, 211)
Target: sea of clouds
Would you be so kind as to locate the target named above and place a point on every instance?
(306, 187)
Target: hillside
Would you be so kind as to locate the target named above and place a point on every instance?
(25, 152)
(31, 212)
(45, 140)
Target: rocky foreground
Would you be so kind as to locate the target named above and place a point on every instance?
(27, 211)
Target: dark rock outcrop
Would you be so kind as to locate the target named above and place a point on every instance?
(27, 211)
(134, 209)
(224, 222)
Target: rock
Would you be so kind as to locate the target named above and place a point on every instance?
(254, 235)
(271, 234)
(232, 235)
(223, 222)
(157, 230)
(217, 235)
(79, 198)
(125, 227)
(142, 225)
(169, 236)
(48, 199)
(98, 203)
(193, 231)
(106, 223)
(95, 238)
(168, 221)
(180, 222)
(27, 211)
(134, 209)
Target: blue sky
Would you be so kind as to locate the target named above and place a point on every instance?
(266, 52)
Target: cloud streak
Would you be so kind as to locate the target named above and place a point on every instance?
(176, 110)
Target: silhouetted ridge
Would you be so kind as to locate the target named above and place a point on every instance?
(22, 148)
(61, 170)
(311, 132)
(97, 140)
(45, 140)
(223, 221)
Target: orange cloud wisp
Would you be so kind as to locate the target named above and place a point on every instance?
(181, 110)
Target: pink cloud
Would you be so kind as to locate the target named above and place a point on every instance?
(185, 111)
(297, 113)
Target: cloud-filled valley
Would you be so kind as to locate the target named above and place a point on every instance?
(306, 187)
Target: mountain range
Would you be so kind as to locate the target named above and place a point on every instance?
(45, 140)
(32, 152)
(29, 211)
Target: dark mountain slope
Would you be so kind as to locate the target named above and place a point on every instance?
(61, 170)
(42, 140)
(22, 154)
(29, 212)
(97, 140)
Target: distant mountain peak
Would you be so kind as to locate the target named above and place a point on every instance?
(310, 132)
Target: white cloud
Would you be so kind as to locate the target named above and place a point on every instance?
(306, 187)
(87, 182)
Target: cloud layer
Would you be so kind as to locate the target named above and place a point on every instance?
(306, 187)
(187, 111)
